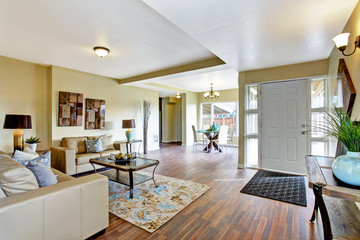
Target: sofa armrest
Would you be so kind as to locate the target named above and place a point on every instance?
(74, 209)
(63, 159)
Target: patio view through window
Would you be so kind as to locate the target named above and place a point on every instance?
(223, 113)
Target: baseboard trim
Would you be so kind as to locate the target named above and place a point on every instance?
(241, 166)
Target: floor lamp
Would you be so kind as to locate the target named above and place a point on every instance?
(15, 121)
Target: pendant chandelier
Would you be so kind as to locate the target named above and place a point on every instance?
(211, 94)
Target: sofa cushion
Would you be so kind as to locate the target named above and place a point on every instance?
(62, 177)
(85, 157)
(94, 137)
(15, 178)
(44, 176)
(94, 146)
(108, 152)
(2, 194)
(107, 143)
(78, 143)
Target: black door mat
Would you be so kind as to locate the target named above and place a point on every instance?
(278, 186)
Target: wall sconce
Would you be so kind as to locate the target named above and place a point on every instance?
(341, 42)
(101, 51)
(178, 95)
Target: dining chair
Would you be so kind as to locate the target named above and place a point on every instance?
(197, 140)
(222, 139)
(230, 137)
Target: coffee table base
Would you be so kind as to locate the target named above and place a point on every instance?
(132, 179)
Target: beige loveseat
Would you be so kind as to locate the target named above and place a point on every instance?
(74, 208)
(71, 158)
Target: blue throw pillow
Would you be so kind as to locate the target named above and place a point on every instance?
(93, 146)
(45, 159)
(44, 176)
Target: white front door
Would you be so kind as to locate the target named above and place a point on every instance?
(283, 121)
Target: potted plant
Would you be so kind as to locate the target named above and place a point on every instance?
(345, 167)
(33, 141)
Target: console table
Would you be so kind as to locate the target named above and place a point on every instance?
(334, 199)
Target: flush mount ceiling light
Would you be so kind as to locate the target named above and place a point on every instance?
(101, 51)
(341, 42)
(211, 94)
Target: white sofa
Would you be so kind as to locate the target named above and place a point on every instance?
(74, 208)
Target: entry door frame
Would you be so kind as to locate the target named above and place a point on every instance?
(308, 120)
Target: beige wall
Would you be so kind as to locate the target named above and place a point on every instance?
(23, 90)
(352, 63)
(122, 102)
(28, 88)
(294, 71)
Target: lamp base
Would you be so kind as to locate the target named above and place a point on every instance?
(19, 141)
(129, 135)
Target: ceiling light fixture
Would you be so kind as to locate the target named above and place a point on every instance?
(101, 51)
(211, 94)
(178, 95)
(341, 42)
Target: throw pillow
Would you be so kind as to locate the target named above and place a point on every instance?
(94, 146)
(44, 159)
(107, 143)
(15, 178)
(44, 176)
(26, 155)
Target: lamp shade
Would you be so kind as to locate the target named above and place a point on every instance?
(341, 41)
(14, 121)
(128, 123)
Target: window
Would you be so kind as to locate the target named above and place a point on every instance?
(319, 142)
(223, 113)
(252, 126)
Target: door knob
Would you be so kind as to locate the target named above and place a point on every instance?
(303, 132)
(303, 125)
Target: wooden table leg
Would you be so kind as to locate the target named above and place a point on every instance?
(319, 203)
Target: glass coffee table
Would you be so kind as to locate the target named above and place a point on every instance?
(129, 166)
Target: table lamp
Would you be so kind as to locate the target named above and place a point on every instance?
(128, 123)
(16, 121)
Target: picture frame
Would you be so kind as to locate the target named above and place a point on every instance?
(70, 111)
(95, 114)
(346, 94)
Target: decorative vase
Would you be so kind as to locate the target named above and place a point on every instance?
(32, 146)
(129, 135)
(347, 168)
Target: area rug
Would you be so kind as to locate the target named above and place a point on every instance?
(278, 186)
(151, 207)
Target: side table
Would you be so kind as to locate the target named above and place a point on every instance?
(129, 144)
(339, 213)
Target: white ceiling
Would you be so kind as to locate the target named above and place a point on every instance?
(222, 78)
(150, 35)
(258, 34)
(64, 32)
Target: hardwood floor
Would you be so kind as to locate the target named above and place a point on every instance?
(222, 212)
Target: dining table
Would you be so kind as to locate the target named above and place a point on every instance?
(212, 136)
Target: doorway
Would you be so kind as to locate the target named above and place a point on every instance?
(283, 126)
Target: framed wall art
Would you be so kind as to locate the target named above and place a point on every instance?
(95, 114)
(70, 109)
(346, 94)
